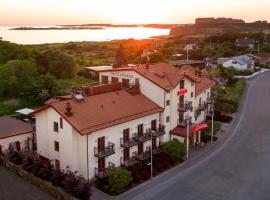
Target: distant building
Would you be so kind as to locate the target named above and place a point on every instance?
(266, 39)
(221, 20)
(261, 58)
(191, 46)
(15, 134)
(245, 43)
(238, 62)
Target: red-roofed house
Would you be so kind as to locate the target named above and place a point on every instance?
(111, 125)
(15, 134)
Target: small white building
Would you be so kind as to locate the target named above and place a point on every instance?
(111, 124)
(238, 62)
(15, 134)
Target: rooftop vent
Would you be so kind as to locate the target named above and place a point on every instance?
(79, 97)
(160, 74)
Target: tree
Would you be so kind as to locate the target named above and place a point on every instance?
(118, 180)
(57, 63)
(46, 87)
(174, 149)
(120, 58)
(17, 77)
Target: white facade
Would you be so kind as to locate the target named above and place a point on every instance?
(73, 146)
(24, 140)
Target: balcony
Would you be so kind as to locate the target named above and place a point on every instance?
(128, 143)
(202, 106)
(184, 107)
(210, 100)
(142, 138)
(102, 173)
(130, 161)
(109, 150)
(184, 123)
(159, 132)
(145, 155)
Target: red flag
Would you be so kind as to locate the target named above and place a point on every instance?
(182, 92)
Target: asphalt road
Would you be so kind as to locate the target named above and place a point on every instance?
(235, 167)
(13, 187)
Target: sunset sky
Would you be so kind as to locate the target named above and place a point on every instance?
(128, 11)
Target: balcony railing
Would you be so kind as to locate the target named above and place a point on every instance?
(210, 100)
(197, 112)
(130, 161)
(202, 106)
(143, 137)
(128, 143)
(145, 155)
(157, 150)
(110, 149)
(184, 107)
(184, 123)
(159, 132)
(102, 173)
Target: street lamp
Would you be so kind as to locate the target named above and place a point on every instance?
(151, 153)
(187, 141)
(212, 132)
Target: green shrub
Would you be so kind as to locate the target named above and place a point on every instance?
(174, 149)
(217, 126)
(229, 100)
(118, 180)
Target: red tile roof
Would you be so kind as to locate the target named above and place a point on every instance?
(10, 126)
(105, 110)
(162, 74)
(203, 85)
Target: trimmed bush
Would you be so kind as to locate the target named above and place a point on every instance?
(118, 180)
(174, 149)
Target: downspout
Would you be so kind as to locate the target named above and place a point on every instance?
(87, 159)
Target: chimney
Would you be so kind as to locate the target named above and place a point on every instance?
(68, 110)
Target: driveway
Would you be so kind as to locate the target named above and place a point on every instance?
(236, 167)
(12, 187)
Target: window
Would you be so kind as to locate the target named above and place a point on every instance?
(55, 127)
(167, 118)
(61, 122)
(104, 80)
(56, 146)
(115, 80)
(167, 102)
(191, 94)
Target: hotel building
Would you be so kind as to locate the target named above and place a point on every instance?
(112, 124)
